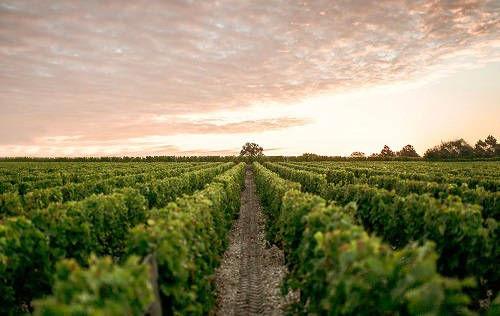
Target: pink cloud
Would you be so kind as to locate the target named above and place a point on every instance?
(113, 133)
(97, 68)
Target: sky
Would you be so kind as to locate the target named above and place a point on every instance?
(137, 78)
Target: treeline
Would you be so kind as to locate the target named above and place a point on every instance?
(407, 151)
(456, 150)
(236, 159)
(488, 148)
(122, 159)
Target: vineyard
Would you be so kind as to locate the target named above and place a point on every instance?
(358, 237)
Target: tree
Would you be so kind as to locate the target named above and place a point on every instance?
(487, 148)
(491, 141)
(452, 149)
(386, 152)
(251, 149)
(493, 147)
(408, 151)
(310, 157)
(481, 148)
(357, 154)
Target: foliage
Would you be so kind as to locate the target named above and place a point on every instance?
(451, 149)
(102, 289)
(357, 154)
(99, 224)
(487, 148)
(465, 242)
(160, 192)
(251, 149)
(187, 238)
(158, 187)
(430, 218)
(25, 265)
(10, 204)
(96, 224)
(465, 245)
(340, 269)
(354, 174)
(490, 201)
(68, 233)
(387, 152)
(310, 181)
(30, 248)
(270, 190)
(407, 151)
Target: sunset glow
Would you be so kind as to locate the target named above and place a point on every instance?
(97, 78)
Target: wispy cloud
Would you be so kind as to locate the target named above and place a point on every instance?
(97, 68)
(123, 131)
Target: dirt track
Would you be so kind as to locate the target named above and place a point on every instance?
(249, 278)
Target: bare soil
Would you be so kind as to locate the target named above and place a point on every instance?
(249, 278)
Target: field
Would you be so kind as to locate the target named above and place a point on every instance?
(359, 238)
(376, 238)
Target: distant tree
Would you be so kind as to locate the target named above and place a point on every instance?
(310, 157)
(357, 154)
(481, 149)
(251, 149)
(487, 148)
(452, 149)
(408, 151)
(386, 152)
(491, 141)
(493, 146)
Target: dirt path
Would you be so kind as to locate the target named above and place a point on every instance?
(249, 278)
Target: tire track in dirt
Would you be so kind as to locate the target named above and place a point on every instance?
(249, 278)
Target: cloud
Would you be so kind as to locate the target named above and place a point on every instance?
(136, 138)
(208, 152)
(82, 150)
(75, 68)
(116, 132)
